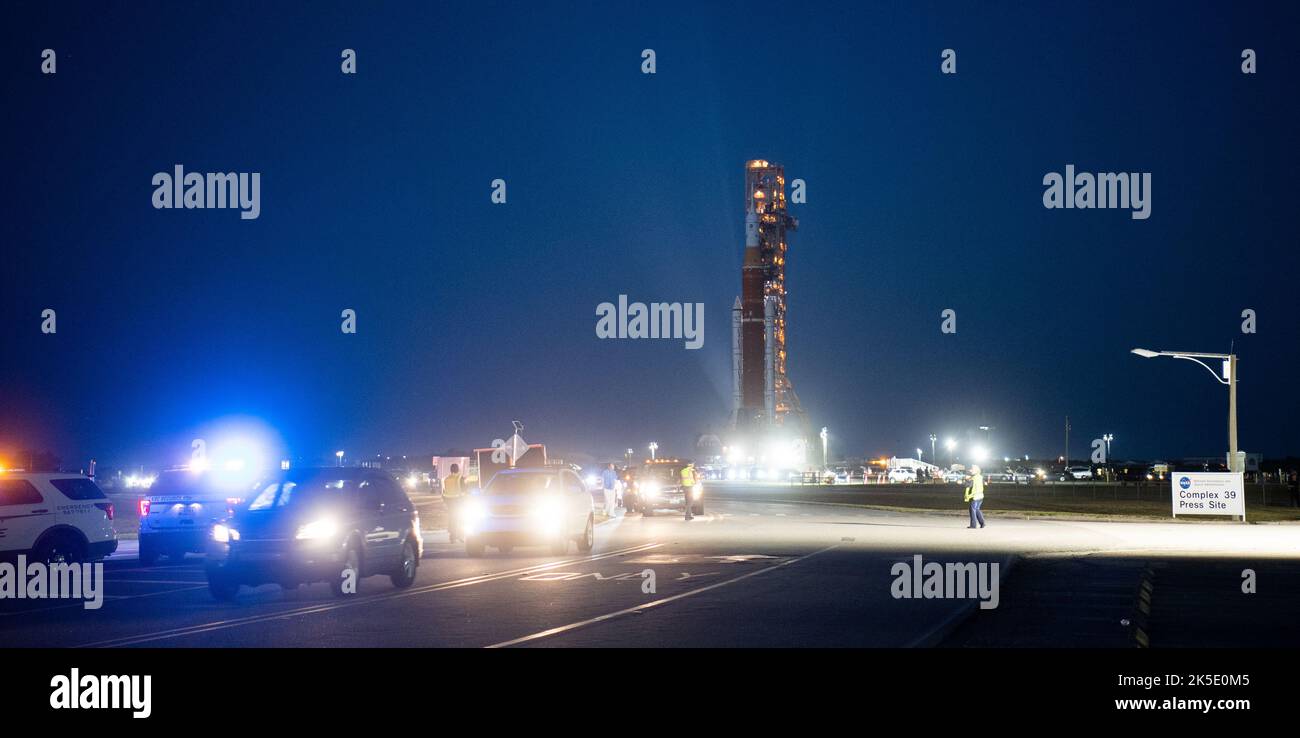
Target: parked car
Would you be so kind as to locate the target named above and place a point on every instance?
(530, 506)
(902, 475)
(54, 517)
(1075, 473)
(333, 524)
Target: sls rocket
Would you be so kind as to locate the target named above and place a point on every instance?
(761, 391)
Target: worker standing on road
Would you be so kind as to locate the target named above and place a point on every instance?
(975, 496)
(609, 483)
(453, 495)
(688, 486)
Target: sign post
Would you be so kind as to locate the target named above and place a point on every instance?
(1209, 493)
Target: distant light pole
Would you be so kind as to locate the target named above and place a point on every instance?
(933, 456)
(1108, 438)
(1067, 440)
(653, 448)
(825, 434)
(1228, 376)
(339, 456)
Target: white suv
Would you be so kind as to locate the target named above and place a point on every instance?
(1076, 473)
(54, 517)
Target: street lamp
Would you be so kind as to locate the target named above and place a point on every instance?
(653, 448)
(825, 434)
(1108, 438)
(339, 456)
(933, 457)
(1228, 376)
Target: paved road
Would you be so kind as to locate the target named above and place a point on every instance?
(747, 573)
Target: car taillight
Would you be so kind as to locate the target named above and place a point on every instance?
(144, 507)
(107, 507)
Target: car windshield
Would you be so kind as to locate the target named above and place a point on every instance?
(523, 483)
(662, 473)
(299, 492)
(177, 483)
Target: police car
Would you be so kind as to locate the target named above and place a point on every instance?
(178, 513)
(54, 517)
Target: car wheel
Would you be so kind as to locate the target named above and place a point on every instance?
(406, 568)
(222, 586)
(473, 547)
(506, 549)
(62, 548)
(560, 547)
(588, 537)
(351, 561)
(148, 553)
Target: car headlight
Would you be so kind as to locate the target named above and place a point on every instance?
(650, 489)
(317, 529)
(224, 533)
(549, 513)
(472, 512)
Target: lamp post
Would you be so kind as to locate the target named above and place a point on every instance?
(933, 458)
(339, 455)
(825, 434)
(653, 448)
(1227, 376)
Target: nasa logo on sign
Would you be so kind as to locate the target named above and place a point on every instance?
(1185, 483)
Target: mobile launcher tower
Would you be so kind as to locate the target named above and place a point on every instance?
(769, 429)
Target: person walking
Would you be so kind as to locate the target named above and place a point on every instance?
(609, 483)
(975, 496)
(688, 488)
(453, 496)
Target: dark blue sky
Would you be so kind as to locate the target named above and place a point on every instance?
(924, 193)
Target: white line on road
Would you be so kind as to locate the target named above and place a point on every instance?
(314, 609)
(641, 608)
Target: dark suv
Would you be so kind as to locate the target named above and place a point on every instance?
(658, 486)
(328, 524)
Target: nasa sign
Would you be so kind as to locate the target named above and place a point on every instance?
(1208, 493)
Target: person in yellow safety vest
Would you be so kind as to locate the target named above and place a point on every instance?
(688, 484)
(453, 496)
(975, 496)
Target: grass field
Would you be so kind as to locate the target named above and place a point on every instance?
(1146, 501)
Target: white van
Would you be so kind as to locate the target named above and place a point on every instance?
(51, 516)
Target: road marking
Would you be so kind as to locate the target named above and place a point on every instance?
(314, 609)
(79, 603)
(656, 603)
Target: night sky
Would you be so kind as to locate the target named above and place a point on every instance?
(924, 193)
